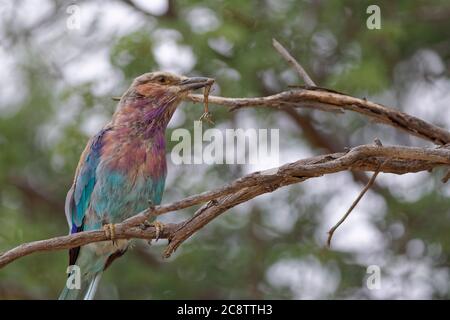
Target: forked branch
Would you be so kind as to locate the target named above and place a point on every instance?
(374, 158)
(389, 159)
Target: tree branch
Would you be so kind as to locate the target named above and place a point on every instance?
(328, 100)
(347, 213)
(305, 122)
(293, 113)
(390, 159)
(376, 158)
(293, 62)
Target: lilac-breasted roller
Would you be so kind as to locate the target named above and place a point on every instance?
(122, 168)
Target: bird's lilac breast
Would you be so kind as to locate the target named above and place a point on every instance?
(135, 155)
(131, 172)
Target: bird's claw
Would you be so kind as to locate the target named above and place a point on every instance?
(145, 225)
(110, 232)
(159, 226)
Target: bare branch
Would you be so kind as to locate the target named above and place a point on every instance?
(325, 100)
(361, 194)
(345, 216)
(292, 61)
(313, 135)
(392, 159)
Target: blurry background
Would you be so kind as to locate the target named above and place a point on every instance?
(56, 85)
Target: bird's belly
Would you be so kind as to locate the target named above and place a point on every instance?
(116, 197)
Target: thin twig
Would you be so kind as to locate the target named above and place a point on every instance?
(328, 100)
(305, 122)
(367, 187)
(362, 193)
(331, 101)
(295, 64)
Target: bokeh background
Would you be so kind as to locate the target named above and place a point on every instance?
(56, 86)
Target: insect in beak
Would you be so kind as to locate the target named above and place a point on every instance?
(195, 83)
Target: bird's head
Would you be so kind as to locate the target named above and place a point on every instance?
(153, 97)
(160, 85)
(165, 83)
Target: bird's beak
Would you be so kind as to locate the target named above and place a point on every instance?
(195, 83)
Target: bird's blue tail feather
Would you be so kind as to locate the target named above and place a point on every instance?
(90, 268)
(86, 291)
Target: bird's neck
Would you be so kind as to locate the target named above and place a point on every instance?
(134, 149)
(138, 136)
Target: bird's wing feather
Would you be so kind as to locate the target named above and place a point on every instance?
(78, 197)
(67, 206)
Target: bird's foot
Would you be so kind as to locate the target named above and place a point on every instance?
(110, 232)
(159, 226)
(145, 225)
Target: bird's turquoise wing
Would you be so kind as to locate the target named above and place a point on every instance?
(78, 197)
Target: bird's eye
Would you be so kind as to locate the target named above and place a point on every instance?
(162, 80)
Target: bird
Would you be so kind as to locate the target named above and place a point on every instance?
(122, 168)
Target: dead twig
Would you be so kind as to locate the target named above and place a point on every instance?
(331, 101)
(354, 204)
(305, 122)
(292, 61)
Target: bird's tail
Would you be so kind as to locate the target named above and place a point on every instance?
(86, 291)
(85, 275)
(92, 289)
